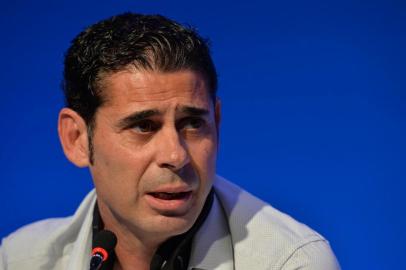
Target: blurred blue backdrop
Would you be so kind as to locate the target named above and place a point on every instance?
(313, 92)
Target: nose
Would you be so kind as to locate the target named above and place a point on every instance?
(172, 150)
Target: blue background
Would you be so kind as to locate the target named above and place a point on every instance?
(314, 96)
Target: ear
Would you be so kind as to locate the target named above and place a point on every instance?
(72, 131)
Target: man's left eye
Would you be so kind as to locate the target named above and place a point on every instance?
(191, 123)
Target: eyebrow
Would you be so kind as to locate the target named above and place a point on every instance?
(194, 111)
(145, 114)
(136, 117)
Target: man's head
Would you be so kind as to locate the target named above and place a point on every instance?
(142, 113)
(147, 42)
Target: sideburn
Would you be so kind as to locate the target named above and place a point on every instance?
(90, 128)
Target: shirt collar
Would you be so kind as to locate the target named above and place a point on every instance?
(212, 246)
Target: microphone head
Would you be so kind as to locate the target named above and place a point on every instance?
(104, 243)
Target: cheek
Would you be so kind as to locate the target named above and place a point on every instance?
(204, 154)
(118, 166)
(119, 153)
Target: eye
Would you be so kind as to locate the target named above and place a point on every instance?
(145, 126)
(191, 123)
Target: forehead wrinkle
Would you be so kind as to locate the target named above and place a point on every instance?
(158, 97)
(147, 86)
(167, 91)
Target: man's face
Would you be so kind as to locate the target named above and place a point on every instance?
(155, 147)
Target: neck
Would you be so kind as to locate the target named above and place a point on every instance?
(130, 256)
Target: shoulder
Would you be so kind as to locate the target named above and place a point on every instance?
(264, 233)
(44, 241)
(33, 241)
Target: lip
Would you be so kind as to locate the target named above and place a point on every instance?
(171, 189)
(176, 206)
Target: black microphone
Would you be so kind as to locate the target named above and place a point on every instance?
(103, 245)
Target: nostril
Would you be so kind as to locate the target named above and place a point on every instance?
(168, 166)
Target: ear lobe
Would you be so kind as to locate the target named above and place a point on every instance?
(72, 132)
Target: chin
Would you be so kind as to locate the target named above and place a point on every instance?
(171, 219)
(174, 225)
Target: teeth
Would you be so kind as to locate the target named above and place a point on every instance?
(169, 196)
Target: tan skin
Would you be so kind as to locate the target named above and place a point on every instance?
(157, 132)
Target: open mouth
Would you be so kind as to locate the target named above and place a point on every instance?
(170, 202)
(171, 196)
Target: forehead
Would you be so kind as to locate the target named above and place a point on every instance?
(146, 87)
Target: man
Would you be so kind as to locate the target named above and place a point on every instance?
(143, 115)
